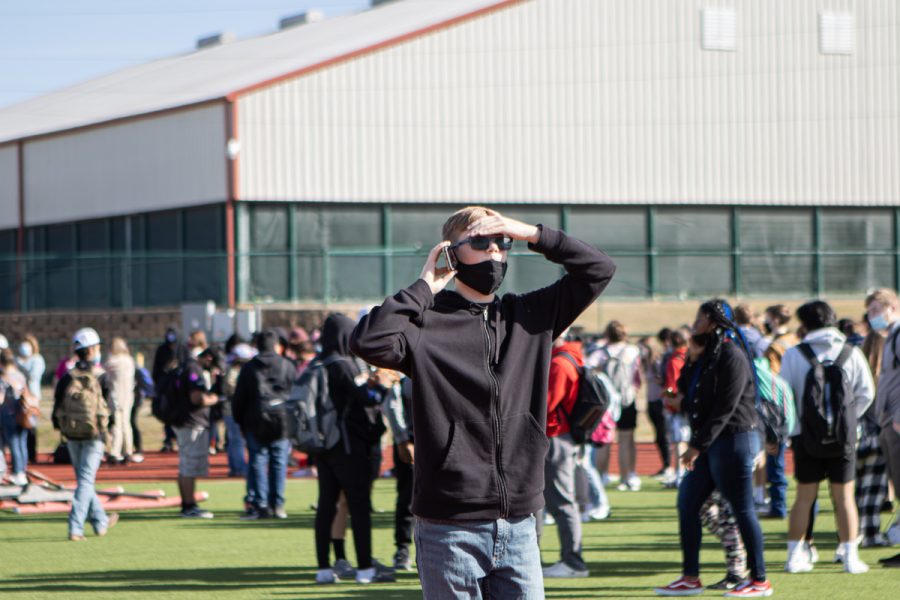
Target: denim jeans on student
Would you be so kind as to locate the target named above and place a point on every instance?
(727, 466)
(17, 440)
(778, 483)
(86, 456)
(479, 559)
(235, 446)
(596, 492)
(269, 471)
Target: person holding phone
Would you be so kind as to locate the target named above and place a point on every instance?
(479, 365)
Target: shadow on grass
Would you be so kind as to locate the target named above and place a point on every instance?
(299, 579)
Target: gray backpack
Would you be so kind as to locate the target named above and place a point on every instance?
(617, 371)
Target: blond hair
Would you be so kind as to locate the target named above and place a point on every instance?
(461, 219)
(31, 339)
(885, 297)
(118, 346)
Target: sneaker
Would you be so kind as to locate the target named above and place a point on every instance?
(401, 560)
(212, 451)
(113, 518)
(254, 514)
(812, 552)
(167, 448)
(343, 569)
(839, 554)
(561, 570)
(751, 589)
(195, 512)
(634, 483)
(376, 574)
(681, 587)
(853, 564)
(891, 562)
(324, 576)
(75, 537)
(661, 474)
(280, 513)
(798, 563)
(19, 479)
(600, 513)
(137, 458)
(730, 582)
(548, 519)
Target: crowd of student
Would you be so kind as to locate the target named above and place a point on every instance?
(726, 397)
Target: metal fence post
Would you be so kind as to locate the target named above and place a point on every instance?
(652, 263)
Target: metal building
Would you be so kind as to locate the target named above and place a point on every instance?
(711, 146)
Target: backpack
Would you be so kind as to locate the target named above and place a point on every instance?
(313, 419)
(83, 411)
(617, 371)
(828, 423)
(171, 404)
(271, 408)
(591, 403)
(776, 403)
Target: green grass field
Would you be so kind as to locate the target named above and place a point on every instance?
(156, 554)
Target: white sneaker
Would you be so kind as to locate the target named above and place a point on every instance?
(600, 513)
(798, 560)
(325, 576)
(854, 566)
(839, 554)
(563, 571)
(19, 479)
(812, 553)
(634, 483)
(548, 519)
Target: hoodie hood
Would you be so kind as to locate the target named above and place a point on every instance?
(575, 349)
(826, 343)
(336, 335)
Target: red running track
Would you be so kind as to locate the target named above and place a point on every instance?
(159, 466)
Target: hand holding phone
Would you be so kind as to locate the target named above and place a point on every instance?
(449, 258)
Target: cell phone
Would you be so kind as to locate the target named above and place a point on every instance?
(449, 258)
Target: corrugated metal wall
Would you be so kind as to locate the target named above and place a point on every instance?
(148, 164)
(607, 101)
(9, 186)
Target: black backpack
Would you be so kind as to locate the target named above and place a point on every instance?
(314, 424)
(272, 395)
(590, 405)
(172, 404)
(828, 422)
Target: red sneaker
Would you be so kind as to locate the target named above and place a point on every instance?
(681, 587)
(751, 589)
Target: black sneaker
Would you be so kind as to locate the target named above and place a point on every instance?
(401, 560)
(727, 584)
(254, 514)
(892, 562)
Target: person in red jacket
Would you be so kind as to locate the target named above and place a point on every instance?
(559, 466)
(679, 430)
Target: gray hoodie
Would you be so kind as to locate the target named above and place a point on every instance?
(827, 344)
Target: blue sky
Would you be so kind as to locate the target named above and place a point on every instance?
(47, 45)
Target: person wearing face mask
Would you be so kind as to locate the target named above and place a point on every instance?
(83, 410)
(32, 365)
(779, 337)
(479, 365)
(883, 311)
(169, 355)
(718, 391)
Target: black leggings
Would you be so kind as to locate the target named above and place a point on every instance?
(135, 430)
(352, 474)
(657, 414)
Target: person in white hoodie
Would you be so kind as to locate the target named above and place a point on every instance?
(827, 343)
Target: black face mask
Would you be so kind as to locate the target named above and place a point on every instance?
(484, 277)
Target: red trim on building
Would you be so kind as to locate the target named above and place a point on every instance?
(376, 47)
(20, 235)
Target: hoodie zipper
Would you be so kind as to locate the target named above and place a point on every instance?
(495, 420)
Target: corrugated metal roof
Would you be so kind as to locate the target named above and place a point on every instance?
(217, 72)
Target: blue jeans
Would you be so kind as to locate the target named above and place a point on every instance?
(237, 464)
(778, 483)
(727, 466)
(479, 559)
(86, 456)
(596, 491)
(268, 472)
(17, 440)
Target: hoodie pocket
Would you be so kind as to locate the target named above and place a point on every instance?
(467, 471)
(525, 448)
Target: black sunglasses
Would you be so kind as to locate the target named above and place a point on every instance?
(504, 242)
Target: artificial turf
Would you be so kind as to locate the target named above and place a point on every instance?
(156, 554)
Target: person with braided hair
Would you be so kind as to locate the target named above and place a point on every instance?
(718, 388)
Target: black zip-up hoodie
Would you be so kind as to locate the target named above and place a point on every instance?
(480, 375)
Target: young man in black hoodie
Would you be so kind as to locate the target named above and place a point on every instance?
(263, 388)
(479, 366)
